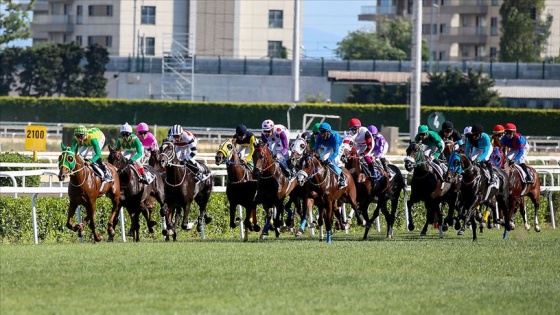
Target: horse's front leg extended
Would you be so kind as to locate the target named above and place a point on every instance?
(523, 211)
(90, 218)
(329, 220)
(71, 211)
(409, 205)
(185, 222)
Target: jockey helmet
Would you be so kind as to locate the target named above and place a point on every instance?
(467, 130)
(80, 130)
(126, 128)
(176, 130)
(447, 125)
(373, 129)
(240, 130)
(498, 129)
(267, 125)
(306, 135)
(477, 128)
(354, 122)
(142, 127)
(316, 127)
(422, 129)
(325, 127)
(510, 126)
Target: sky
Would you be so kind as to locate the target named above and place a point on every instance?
(325, 22)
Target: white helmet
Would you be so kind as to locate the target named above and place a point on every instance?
(267, 125)
(467, 130)
(176, 130)
(126, 128)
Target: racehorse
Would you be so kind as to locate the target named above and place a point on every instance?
(427, 186)
(382, 187)
(135, 195)
(322, 190)
(272, 187)
(475, 189)
(180, 191)
(519, 189)
(84, 189)
(241, 188)
(448, 149)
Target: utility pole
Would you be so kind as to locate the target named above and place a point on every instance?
(416, 68)
(295, 59)
(431, 60)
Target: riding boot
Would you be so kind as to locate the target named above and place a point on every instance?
(529, 178)
(490, 171)
(384, 163)
(107, 178)
(342, 181)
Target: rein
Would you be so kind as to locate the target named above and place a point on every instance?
(315, 172)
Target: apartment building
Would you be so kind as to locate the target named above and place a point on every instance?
(226, 28)
(462, 29)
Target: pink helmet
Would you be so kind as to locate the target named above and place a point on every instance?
(267, 125)
(142, 127)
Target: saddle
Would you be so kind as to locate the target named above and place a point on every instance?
(439, 168)
(521, 172)
(149, 176)
(377, 172)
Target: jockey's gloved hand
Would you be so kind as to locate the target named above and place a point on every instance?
(129, 161)
(278, 156)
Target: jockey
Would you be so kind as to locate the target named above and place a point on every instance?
(433, 144)
(277, 137)
(466, 136)
(314, 135)
(327, 146)
(363, 141)
(185, 149)
(448, 133)
(246, 141)
(133, 151)
(91, 140)
(479, 148)
(147, 139)
(517, 149)
(380, 146)
(495, 141)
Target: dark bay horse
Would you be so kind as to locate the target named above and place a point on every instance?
(383, 189)
(84, 189)
(241, 188)
(272, 187)
(180, 191)
(322, 190)
(519, 189)
(427, 186)
(475, 189)
(298, 149)
(135, 196)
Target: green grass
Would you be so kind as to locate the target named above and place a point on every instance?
(407, 275)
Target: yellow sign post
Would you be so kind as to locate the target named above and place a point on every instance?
(35, 139)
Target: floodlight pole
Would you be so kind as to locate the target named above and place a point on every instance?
(295, 60)
(416, 68)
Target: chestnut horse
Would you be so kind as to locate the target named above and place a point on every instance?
(368, 188)
(180, 191)
(84, 189)
(321, 184)
(519, 189)
(272, 187)
(135, 196)
(241, 188)
(427, 186)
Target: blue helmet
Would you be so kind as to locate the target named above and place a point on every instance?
(325, 127)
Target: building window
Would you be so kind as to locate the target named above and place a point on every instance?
(104, 41)
(493, 52)
(275, 19)
(274, 49)
(79, 40)
(494, 26)
(442, 55)
(149, 46)
(495, 2)
(100, 10)
(148, 15)
(425, 29)
(464, 51)
(443, 28)
(79, 14)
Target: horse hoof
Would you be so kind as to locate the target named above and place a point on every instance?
(129, 233)
(445, 227)
(262, 237)
(411, 227)
(207, 219)
(110, 239)
(537, 228)
(422, 233)
(199, 228)
(256, 228)
(461, 232)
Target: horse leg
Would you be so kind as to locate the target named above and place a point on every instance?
(329, 220)
(409, 205)
(389, 218)
(147, 213)
(363, 209)
(232, 218)
(202, 203)
(185, 222)
(523, 211)
(256, 226)
(71, 211)
(90, 218)
(534, 196)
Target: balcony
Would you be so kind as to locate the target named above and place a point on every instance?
(371, 12)
(464, 35)
(464, 9)
(52, 23)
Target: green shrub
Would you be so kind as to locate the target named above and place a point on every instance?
(14, 157)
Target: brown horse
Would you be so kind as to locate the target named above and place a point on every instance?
(241, 187)
(519, 189)
(84, 189)
(180, 191)
(272, 187)
(383, 188)
(322, 190)
(135, 195)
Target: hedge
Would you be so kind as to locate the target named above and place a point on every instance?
(535, 122)
(14, 157)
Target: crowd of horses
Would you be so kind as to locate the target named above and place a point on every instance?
(460, 185)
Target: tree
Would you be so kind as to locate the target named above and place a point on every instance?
(391, 41)
(14, 21)
(454, 88)
(9, 59)
(41, 68)
(523, 33)
(93, 83)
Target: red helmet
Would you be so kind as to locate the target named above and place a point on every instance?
(510, 126)
(498, 129)
(354, 122)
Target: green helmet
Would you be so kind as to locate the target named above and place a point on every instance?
(316, 127)
(422, 129)
(81, 130)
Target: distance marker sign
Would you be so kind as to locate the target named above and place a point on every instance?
(35, 138)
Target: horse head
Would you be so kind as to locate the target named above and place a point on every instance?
(298, 148)
(225, 152)
(448, 148)
(346, 148)
(167, 154)
(414, 156)
(454, 167)
(116, 158)
(262, 158)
